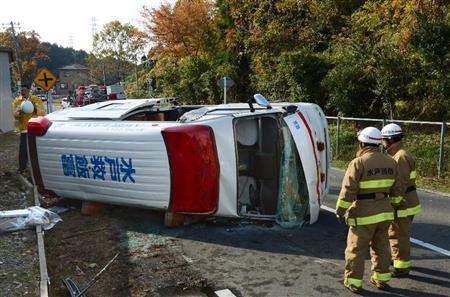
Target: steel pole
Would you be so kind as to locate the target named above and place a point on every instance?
(383, 124)
(224, 90)
(338, 128)
(441, 149)
(48, 102)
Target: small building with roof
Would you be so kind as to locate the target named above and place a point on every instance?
(70, 77)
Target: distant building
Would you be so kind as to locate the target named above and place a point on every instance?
(70, 77)
(6, 113)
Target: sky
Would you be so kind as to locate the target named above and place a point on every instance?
(70, 22)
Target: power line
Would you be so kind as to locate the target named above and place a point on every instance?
(94, 25)
(93, 28)
(71, 40)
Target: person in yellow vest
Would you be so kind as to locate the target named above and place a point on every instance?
(25, 107)
(368, 189)
(400, 229)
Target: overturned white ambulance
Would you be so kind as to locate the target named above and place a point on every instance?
(236, 160)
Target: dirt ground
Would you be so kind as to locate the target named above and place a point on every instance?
(149, 263)
(19, 268)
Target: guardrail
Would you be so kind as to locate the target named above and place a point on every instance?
(443, 125)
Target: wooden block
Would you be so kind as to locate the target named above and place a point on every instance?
(91, 207)
(173, 219)
(194, 219)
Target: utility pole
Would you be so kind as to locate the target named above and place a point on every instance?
(137, 80)
(15, 50)
(104, 73)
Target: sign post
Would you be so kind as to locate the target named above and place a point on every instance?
(46, 80)
(224, 90)
(226, 84)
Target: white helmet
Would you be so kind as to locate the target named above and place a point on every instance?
(391, 130)
(27, 106)
(370, 135)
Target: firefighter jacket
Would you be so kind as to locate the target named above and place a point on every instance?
(22, 119)
(369, 187)
(407, 174)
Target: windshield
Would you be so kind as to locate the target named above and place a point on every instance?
(293, 197)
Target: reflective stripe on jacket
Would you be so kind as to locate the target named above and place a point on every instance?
(407, 174)
(370, 173)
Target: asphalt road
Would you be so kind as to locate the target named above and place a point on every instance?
(263, 259)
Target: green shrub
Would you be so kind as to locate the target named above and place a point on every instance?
(423, 143)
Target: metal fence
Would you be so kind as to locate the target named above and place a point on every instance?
(444, 126)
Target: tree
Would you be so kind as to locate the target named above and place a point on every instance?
(103, 70)
(30, 51)
(391, 61)
(386, 58)
(431, 43)
(123, 43)
(273, 37)
(181, 30)
(59, 56)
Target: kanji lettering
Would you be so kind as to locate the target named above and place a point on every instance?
(98, 167)
(114, 168)
(68, 165)
(82, 166)
(120, 168)
(127, 169)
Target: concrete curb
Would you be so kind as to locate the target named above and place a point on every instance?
(434, 192)
(44, 279)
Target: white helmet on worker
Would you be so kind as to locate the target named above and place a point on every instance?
(391, 131)
(370, 135)
(27, 107)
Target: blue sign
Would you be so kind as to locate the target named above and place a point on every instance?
(120, 169)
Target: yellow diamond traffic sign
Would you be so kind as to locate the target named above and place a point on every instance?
(45, 79)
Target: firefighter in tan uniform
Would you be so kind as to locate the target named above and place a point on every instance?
(368, 187)
(400, 229)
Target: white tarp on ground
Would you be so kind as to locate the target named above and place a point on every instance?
(19, 219)
(6, 118)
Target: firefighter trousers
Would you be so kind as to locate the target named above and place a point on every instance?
(399, 238)
(359, 239)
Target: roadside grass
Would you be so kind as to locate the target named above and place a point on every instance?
(423, 142)
(9, 149)
(19, 268)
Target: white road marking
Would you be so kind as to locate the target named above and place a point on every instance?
(430, 246)
(328, 208)
(224, 293)
(413, 240)
(320, 260)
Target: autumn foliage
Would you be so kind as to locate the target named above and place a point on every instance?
(181, 30)
(30, 52)
(386, 58)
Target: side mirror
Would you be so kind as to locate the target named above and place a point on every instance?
(262, 101)
(250, 103)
